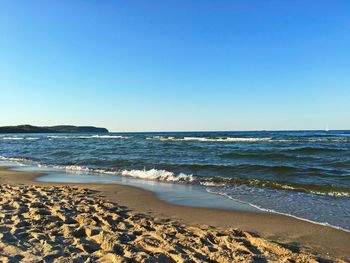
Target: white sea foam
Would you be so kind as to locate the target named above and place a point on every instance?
(89, 137)
(161, 175)
(111, 136)
(244, 139)
(211, 184)
(19, 138)
(13, 159)
(152, 174)
(161, 138)
(206, 139)
(76, 168)
(336, 194)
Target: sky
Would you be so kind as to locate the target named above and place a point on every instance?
(182, 65)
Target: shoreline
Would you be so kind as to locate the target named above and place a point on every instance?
(322, 240)
(267, 211)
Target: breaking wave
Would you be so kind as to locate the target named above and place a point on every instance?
(206, 139)
(152, 174)
(161, 175)
(89, 137)
(19, 138)
(13, 159)
(209, 181)
(168, 176)
(245, 139)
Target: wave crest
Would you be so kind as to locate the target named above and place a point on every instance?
(19, 138)
(13, 159)
(246, 139)
(207, 139)
(168, 176)
(161, 175)
(89, 137)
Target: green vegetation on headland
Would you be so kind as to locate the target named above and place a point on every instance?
(52, 129)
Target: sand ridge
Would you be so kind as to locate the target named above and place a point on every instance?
(63, 224)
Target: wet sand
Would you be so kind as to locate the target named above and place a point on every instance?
(115, 223)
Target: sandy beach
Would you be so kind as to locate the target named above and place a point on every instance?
(115, 223)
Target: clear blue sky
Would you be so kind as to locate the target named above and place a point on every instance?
(176, 65)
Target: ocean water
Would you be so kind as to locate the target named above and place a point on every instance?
(305, 174)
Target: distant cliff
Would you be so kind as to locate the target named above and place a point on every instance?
(52, 129)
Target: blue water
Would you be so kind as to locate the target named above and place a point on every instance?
(180, 194)
(305, 174)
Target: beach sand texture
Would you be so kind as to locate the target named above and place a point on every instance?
(118, 223)
(62, 223)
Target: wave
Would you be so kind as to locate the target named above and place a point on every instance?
(111, 136)
(205, 169)
(213, 181)
(315, 150)
(161, 175)
(19, 138)
(89, 137)
(197, 139)
(208, 139)
(152, 174)
(240, 168)
(76, 168)
(14, 159)
(228, 139)
(69, 137)
(245, 139)
(330, 190)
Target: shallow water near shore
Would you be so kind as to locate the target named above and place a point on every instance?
(303, 174)
(188, 195)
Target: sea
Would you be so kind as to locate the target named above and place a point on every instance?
(303, 174)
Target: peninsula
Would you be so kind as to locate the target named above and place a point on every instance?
(52, 129)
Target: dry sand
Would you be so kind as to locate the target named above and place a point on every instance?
(57, 222)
